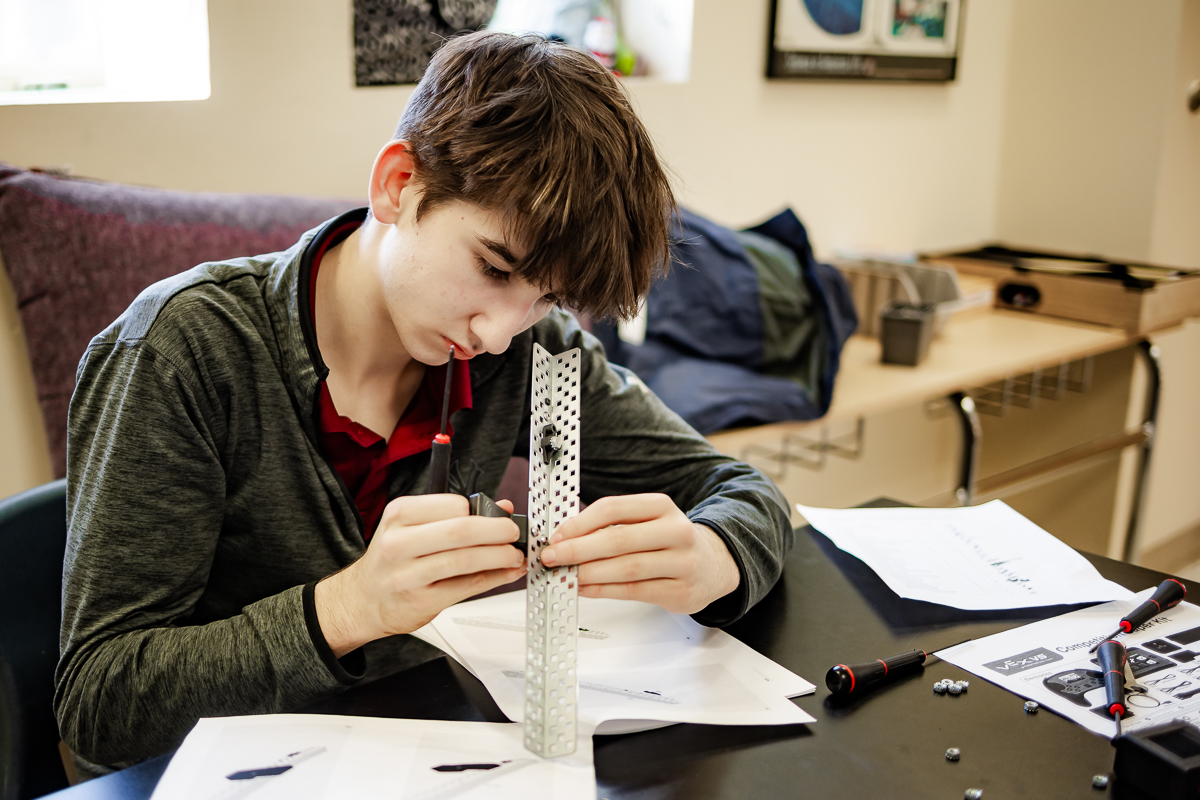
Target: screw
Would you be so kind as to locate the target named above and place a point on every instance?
(953, 753)
(973, 794)
(955, 688)
(1100, 781)
(1031, 707)
(938, 688)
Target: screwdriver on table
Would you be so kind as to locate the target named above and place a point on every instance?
(1168, 595)
(1112, 663)
(845, 679)
(439, 462)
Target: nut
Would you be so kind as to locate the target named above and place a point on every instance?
(1031, 707)
(938, 688)
(955, 688)
(973, 794)
(1100, 781)
(953, 754)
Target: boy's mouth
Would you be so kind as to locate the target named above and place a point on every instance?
(459, 351)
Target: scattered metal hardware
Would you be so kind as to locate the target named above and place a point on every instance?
(939, 688)
(973, 794)
(1100, 781)
(953, 754)
(1031, 707)
(954, 688)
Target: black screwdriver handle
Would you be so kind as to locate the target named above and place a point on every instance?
(846, 679)
(1111, 655)
(439, 465)
(1168, 595)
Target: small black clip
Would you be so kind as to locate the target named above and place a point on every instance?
(483, 506)
(551, 443)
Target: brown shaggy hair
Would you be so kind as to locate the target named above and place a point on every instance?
(543, 134)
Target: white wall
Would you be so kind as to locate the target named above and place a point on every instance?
(1099, 154)
(1174, 504)
(894, 166)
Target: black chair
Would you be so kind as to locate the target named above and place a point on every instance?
(33, 538)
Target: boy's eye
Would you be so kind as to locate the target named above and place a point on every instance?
(491, 272)
(551, 299)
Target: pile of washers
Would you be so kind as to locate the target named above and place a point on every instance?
(947, 686)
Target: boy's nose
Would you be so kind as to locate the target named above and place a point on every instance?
(495, 328)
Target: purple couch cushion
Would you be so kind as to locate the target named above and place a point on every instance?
(78, 252)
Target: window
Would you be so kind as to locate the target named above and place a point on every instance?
(103, 51)
(634, 37)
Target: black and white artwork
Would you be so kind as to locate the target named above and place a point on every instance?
(394, 39)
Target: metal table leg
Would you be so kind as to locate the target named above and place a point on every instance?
(972, 434)
(1150, 356)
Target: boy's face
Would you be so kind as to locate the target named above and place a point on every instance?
(446, 281)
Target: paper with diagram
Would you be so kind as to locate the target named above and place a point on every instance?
(311, 756)
(1049, 662)
(975, 558)
(636, 662)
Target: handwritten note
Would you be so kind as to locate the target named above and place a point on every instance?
(982, 557)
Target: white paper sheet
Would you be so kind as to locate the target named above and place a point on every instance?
(1049, 662)
(636, 662)
(975, 558)
(429, 634)
(313, 756)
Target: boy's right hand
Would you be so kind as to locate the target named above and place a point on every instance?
(426, 555)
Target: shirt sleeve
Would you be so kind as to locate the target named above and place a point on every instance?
(145, 496)
(632, 443)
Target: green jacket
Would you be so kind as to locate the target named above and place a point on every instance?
(202, 511)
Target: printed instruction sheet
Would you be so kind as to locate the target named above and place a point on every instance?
(636, 662)
(975, 558)
(315, 756)
(1049, 662)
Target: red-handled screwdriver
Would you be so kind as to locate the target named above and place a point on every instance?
(845, 679)
(1168, 595)
(1112, 663)
(439, 462)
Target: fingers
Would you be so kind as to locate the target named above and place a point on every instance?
(635, 567)
(506, 505)
(456, 589)
(619, 540)
(421, 508)
(413, 541)
(607, 511)
(447, 564)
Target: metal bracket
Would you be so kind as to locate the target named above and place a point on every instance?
(1023, 391)
(804, 451)
(551, 599)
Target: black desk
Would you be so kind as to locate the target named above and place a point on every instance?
(828, 608)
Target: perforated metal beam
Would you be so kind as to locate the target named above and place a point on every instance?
(551, 600)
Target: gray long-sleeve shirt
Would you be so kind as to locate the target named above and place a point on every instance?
(202, 510)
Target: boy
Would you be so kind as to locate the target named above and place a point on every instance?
(246, 428)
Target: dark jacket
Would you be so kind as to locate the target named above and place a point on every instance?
(746, 329)
(202, 511)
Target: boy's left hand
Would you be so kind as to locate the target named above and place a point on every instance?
(642, 547)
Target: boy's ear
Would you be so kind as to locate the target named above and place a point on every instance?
(392, 173)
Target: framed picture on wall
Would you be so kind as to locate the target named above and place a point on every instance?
(898, 40)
